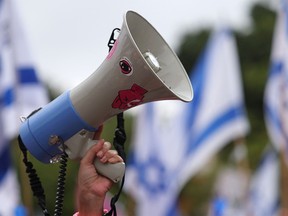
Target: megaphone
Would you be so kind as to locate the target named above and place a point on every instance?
(140, 68)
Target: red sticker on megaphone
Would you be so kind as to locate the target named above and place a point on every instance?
(129, 98)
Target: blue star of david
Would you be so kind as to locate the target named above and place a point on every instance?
(155, 168)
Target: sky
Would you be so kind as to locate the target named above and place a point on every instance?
(68, 38)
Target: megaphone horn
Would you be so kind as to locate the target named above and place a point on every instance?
(140, 68)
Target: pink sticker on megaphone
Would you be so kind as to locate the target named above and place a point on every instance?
(110, 54)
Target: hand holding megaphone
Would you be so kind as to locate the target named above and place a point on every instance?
(78, 145)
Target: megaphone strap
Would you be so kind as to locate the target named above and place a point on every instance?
(120, 136)
(118, 143)
(61, 185)
(35, 182)
(36, 185)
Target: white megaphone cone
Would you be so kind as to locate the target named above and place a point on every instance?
(140, 68)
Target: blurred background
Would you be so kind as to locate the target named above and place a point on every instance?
(225, 153)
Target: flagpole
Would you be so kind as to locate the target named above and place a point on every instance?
(243, 161)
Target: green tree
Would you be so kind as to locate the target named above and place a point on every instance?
(254, 52)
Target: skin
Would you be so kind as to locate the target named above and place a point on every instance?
(92, 187)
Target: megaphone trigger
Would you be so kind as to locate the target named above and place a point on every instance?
(77, 146)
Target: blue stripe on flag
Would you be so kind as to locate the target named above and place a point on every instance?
(7, 98)
(173, 209)
(272, 115)
(275, 68)
(197, 77)
(5, 162)
(220, 121)
(218, 206)
(27, 75)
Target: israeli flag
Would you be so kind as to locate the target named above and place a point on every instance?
(20, 93)
(264, 199)
(217, 114)
(276, 90)
(173, 140)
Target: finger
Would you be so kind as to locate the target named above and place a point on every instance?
(115, 159)
(106, 147)
(108, 155)
(111, 156)
(97, 134)
(92, 152)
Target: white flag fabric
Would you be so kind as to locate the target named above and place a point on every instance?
(20, 94)
(276, 90)
(174, 140)
(264, 189)
(21, 90)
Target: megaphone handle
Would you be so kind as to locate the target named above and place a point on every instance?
(78, 145)
(114, 171)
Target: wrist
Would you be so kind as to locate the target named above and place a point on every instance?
(90, 204)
